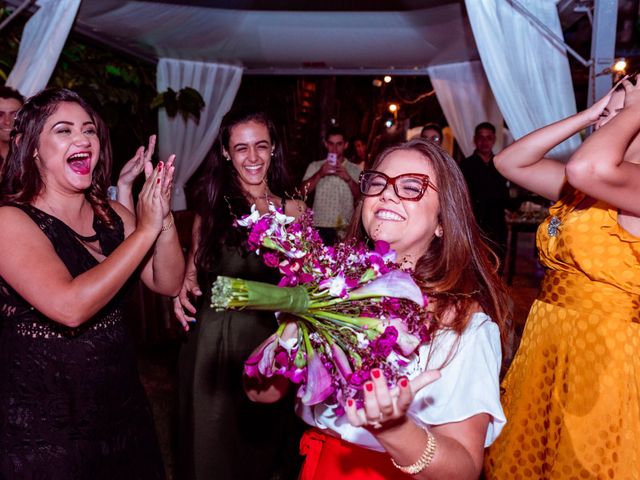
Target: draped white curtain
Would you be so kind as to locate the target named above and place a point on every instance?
(528, 71)
(190, 141)
(466, 100)
(43, 37)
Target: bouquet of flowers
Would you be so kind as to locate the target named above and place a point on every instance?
(355, 309)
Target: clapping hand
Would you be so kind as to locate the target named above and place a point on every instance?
(384, 406)
(154, 201)
(139, 162)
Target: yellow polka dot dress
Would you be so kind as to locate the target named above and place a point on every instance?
(572, 394)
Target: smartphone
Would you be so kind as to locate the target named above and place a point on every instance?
(332, 158)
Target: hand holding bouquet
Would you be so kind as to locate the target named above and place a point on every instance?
(354, 308)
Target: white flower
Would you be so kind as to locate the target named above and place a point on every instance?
(250, 219)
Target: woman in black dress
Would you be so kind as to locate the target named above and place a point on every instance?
(222, 434)
(71, 402)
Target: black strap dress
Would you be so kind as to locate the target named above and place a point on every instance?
(222, 434)
(71, 402)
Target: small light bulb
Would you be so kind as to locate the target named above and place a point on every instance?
(620, 66)
(393, 107)
(387, 79)
(388, 123)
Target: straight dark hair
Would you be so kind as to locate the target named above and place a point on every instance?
(219, 196)
(20, 177)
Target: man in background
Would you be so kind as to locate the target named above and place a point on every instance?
(10, 103)
(334, 182)
(488, 189)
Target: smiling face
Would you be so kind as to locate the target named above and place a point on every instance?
(68, 148)
(613, 108)
(250, 151)
(8, 109)
(408, 226)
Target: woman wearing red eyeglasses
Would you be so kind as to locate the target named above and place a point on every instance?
(434, 425)
(572, 394)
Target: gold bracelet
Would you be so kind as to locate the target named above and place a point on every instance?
(168, 225)
(425, 459)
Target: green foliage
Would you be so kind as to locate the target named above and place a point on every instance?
(186, 101)
(10, 42)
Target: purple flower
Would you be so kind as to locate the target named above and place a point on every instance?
(253, 363)
(319, 385)
(271, 259)
(341, 360)
(383, 345)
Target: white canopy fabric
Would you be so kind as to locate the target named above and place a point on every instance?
(466, 100)
(528, 72)
(43, 37)
(190, 141)
(280, 41)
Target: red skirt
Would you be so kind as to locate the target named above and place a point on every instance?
(329, 458)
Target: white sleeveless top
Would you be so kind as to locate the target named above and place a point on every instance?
(469, 385)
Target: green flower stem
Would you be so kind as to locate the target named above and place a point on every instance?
(372, 323)
(307, 342)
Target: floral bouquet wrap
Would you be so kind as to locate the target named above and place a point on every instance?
(355, 309)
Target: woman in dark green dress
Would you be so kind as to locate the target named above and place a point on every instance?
(222, 434)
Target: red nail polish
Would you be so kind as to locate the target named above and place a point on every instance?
(404, 383)
(375, 373)
(350, 402)
(158, 181)
(159, 166)
(369, 386)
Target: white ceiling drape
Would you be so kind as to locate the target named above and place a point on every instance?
(528, 71)
(466, 100)
(190, 141)
(42, 40)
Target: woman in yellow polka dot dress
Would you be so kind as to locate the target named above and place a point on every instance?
(572, 394)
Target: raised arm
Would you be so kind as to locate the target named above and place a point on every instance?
(130, 171)
(524, 161)
(164, 270)
(29, 263)
(606, 166)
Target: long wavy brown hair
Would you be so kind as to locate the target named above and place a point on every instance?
(458, 270)
(20, 178)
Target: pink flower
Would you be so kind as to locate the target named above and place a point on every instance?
(319, 385)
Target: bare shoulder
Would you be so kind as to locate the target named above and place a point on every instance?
(13, 219)
(20, 235)
(295, 208)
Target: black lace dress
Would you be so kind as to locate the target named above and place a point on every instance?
(71, 402)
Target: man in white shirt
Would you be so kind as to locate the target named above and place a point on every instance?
(335, 183)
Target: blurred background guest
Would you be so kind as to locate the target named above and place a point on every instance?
(433, 132)
(488, 189)
(334, 184)
(10, 103)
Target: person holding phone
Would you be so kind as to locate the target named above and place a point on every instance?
(334, 181)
